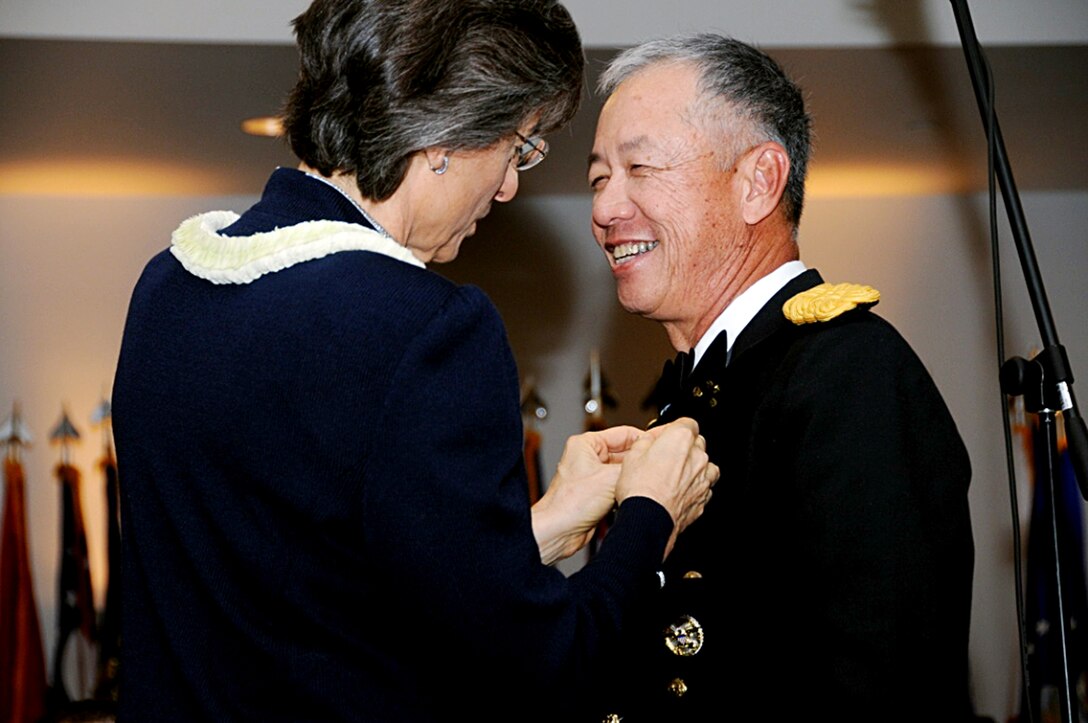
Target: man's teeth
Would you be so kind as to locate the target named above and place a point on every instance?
(626, 251)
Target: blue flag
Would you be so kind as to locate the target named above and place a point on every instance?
(1044, 650)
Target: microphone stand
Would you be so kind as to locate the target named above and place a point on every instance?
(1046, 380)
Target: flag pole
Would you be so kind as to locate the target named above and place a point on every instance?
(109, 628)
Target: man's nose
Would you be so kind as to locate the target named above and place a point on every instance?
(611, 204)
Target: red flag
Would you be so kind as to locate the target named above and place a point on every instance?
(532, 463)
(22, 661)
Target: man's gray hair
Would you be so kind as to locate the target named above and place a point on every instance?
(739, 82)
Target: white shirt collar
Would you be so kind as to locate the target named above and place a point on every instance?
(743, 309)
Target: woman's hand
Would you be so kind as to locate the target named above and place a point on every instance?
(669, 464)
(582, 492)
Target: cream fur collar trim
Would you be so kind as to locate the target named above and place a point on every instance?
(242, 259)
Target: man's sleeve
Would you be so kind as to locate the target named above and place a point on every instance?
(878, 502)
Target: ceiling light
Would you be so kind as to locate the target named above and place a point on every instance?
(268, 126)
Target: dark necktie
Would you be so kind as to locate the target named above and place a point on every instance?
(682, 365)
(673, 376)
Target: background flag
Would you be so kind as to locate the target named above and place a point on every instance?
(74, 661)
(109, 629)
(533, 411)
(1044, 652)
(597, 398)
(22, 661)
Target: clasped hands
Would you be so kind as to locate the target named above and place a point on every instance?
(668, 464)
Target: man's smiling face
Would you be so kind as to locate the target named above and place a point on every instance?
(664, 210)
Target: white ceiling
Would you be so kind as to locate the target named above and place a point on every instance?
(603, 23)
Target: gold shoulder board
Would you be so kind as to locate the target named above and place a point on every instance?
(826, 301)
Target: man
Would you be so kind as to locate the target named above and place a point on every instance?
(832, 572)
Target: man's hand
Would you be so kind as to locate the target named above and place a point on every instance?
(582, 491)
(669, 464)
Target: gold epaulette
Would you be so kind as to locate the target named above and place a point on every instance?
(826, 301)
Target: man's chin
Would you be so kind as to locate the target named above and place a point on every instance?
(631, 303)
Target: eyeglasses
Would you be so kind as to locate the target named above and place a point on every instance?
(529, 152)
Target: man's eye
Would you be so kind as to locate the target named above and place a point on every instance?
(596, 181)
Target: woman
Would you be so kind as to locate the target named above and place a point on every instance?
(324, 503)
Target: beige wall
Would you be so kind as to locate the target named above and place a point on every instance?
(68, 264)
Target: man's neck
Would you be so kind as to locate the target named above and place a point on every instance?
(684, 334)
(735, 319)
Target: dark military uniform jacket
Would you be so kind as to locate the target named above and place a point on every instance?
(831, 572)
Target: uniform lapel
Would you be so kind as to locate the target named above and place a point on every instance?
(699, 392)
(770, 318)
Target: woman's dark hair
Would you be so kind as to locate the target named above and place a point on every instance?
(383, 79)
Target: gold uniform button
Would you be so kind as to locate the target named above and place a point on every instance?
(678, 688)
(612, 718)
(697, 392)
(693, 575)
(684, 637)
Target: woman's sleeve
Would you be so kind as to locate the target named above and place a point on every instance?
(446, 514)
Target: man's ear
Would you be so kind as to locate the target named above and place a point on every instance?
(767, 169)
